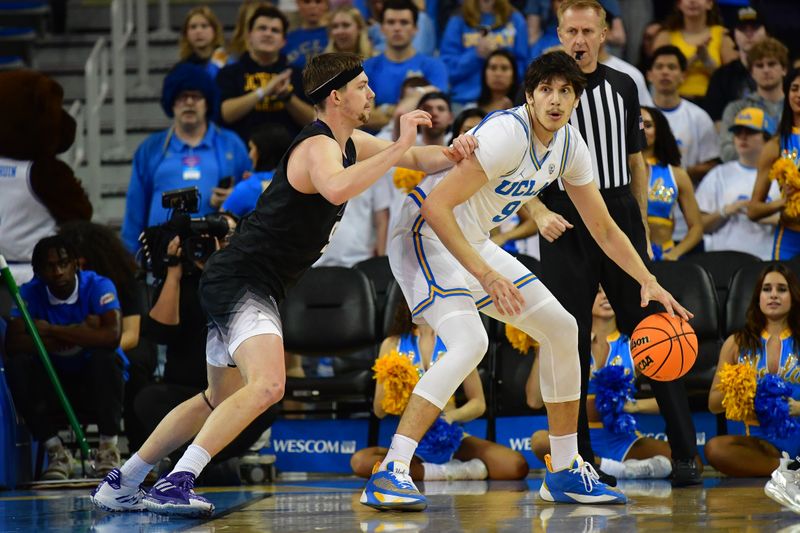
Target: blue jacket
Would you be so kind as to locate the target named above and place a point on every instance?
(459, 52)
(157, 156)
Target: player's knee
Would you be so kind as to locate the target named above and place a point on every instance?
(267, 394)
(471, 344)
(481, 345)
(567, 326)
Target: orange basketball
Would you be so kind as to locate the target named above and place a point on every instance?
(664, 347)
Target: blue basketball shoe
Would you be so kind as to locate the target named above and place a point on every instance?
(174, 495)
(578, 483)
(392, 490)
(112, 496)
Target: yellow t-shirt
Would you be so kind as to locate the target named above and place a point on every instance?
(698, 74)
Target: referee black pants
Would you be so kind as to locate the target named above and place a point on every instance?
(572, 268)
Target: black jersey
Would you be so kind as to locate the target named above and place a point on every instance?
(285, 234)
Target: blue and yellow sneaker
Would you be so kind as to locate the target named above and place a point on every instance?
(392, 490)
(578, 483)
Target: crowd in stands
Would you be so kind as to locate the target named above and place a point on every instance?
(720, 96)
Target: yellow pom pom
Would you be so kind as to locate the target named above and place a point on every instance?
(738, 385)
(398, 376)
(520, 340)
(786, 173)
(406, 179)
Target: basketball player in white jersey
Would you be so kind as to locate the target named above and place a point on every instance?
(449, 270)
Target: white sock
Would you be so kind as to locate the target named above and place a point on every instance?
(134, 471)
(563, 450)
(434, 472)
(52, 442)
(401, 450)
(610, 466)
(194, 460)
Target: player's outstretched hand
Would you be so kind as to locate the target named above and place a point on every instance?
(462, 147)
(651, 290)
(552, 225)
(506, 297)
(409, 124)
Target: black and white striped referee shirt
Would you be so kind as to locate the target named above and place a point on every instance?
(610, 121)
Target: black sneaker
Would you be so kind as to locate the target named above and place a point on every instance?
(685, 473)
(608, 479)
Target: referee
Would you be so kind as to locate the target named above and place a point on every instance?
(573, 265)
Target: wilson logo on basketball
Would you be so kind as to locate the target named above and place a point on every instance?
(639, 341)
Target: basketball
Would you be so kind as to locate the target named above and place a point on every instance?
(663, 347)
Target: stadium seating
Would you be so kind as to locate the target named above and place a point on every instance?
(25, 14)
(693, 287)
(380, 274)
(722, 265)
(332, 312)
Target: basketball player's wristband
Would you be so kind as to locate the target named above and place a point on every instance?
(172, 260)
(722, 212)
(260, 93)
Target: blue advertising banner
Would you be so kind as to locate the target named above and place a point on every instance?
(705, 425)
(317, 445)
(326, 445)
(515, 432)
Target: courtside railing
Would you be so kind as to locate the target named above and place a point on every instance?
(96, 73)
(76, 155)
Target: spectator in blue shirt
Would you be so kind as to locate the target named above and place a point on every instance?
(193, 152)
(401, 60)
(548, 37)
(78, 317)
(425, 39)
(267, 146)
(482, 27)
(311, 38)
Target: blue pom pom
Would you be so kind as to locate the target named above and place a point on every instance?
(772, 407)
(440, 442)
(614, 388)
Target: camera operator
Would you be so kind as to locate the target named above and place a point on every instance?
(193, 151)
(177, 320)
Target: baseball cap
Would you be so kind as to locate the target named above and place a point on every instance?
(747, 16)
(754, 119)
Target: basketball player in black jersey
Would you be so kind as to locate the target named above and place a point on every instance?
(329, 162)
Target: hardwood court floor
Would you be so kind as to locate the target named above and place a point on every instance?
(331, 504)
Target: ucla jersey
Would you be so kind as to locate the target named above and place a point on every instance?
(408, 345)
(662, 194)
(789, 371)
(604, 442)
(619, 354)
(786, 243)
(788, 364)
(790, 146)
(516, 168)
